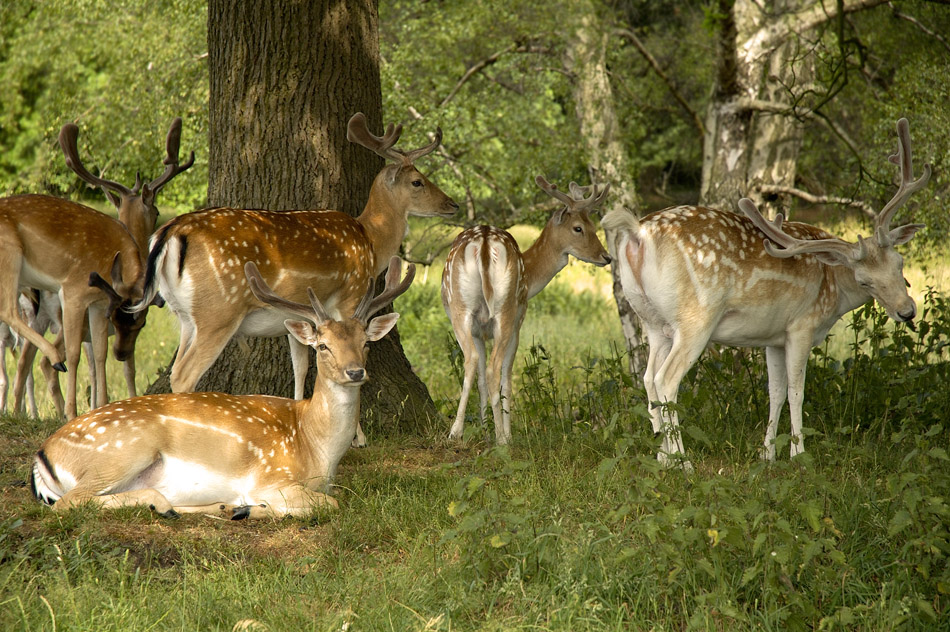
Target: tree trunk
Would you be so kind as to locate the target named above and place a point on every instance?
(586, 60)
(284, 79)
(754, 121)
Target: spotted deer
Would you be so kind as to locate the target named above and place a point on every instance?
(246, 456)
(699, 275)
(196, 260)
(55, 245)
(136, 211)
(487, 282)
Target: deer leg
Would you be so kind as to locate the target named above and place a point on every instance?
(72, 330)
(99, 332)
(472, 356)
(683, 354)
(192, 362)
(128, 370)
(505, 330)
(148, 497)
(3, 375)
(506, 366)
(52, 384)
(91, 367)
(775, 360)
(796, 361)
(659, 350)
(293, 500)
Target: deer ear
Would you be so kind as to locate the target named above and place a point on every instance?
(903, 234)
(380, 326)
(302, 331)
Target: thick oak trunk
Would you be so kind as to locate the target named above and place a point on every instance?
(285, 76)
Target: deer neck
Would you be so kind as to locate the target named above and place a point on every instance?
(327, 424)
(542, 261)
(850, 294)
(385, 225)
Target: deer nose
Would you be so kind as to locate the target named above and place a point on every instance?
(607, 259)
(908, 315)
(356, 375)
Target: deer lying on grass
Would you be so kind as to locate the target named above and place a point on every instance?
(137, 212)
(698, 275)
(245, 456)
(486, 284)
(195, 260)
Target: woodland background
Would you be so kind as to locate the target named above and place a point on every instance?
(575, 526)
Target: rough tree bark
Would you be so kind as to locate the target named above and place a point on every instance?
(586, 61)
(285, 78)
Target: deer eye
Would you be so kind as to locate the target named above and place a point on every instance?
(417, 183)
(578, 229)
(322, 347)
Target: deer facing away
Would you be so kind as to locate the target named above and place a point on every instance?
(242, 456)
(486, 284)
(699, 275)
(196, 260)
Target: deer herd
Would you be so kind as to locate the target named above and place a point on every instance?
(693, 275)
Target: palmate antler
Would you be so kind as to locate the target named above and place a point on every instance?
(358, 132)
(576, 201)
(316, 312)
(790, 246)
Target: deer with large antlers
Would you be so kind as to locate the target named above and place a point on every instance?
(244, 456)
(487, 282)
(196, 260)
(699, 275)
(137, 212)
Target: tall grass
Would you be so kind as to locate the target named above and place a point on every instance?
(574, 527)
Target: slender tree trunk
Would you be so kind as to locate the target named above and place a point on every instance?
(586, 60)
(285, 78)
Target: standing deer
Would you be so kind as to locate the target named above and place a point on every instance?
(137, 212)
(53, 244)
(698, 275)
(486, 284)
(245, 456)
(196, 260)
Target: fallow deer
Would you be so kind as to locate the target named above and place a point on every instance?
(243, 456)
(699, 275)
(137, 212)
(196, 260)
(487, 282)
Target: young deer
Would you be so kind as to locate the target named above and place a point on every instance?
(699, 275)
(196, 259)
(244, 456)
(137, 212)
(487, 282)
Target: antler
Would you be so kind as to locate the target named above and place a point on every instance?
(68, 136)
(908, 186)
(358, 132)
(172, 147)
(370, 305)
(314, 312)
(576, 200)
(792, 246)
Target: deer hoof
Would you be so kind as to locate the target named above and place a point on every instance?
(241, 513)
(60, 366)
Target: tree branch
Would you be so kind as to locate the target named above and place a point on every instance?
(916, 22)
(488, 61)
(651, 60)
(817, 199)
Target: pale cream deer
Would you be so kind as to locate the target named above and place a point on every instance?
(486, 284)
(137, 212)
(699, 275)
(196, 260)
(243, 456)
